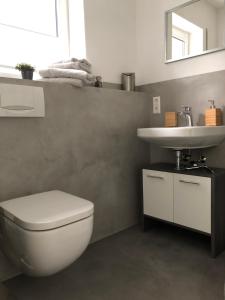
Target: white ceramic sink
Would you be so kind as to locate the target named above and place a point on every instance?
(179, 138)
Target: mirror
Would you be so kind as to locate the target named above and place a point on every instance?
(195, 28)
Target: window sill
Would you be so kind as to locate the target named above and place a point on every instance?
(12, 73)
(9, 75)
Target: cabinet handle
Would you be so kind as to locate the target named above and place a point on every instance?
(190, 182)
(156, 177)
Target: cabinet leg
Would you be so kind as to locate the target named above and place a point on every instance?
(216, 247)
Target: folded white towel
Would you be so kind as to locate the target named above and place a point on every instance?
(85, 66)
(72, 81)
(72, 65)
(73, 59)
(84, 63)
(67, 73)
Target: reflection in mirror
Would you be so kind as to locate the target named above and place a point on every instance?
(195, 28)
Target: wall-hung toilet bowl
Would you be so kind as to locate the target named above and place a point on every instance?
(44, 233)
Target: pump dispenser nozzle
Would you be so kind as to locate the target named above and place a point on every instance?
(212, 103)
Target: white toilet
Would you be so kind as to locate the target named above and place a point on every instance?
(44, 233)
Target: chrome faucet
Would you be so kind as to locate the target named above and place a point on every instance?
(186, 113)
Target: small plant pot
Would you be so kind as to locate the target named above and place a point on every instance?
(27, 74)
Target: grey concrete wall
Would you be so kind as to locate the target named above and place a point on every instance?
(86, 145)
(194, 91)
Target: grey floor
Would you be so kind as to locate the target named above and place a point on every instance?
(5, 294)
(164, 263)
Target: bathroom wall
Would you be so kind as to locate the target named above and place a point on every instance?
(194, 91)
(128, 36)
(151, 48)
(111, 37)
(86, 145)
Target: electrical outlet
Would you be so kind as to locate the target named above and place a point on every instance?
(156, 105)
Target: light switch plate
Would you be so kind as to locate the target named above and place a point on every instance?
(156, 105)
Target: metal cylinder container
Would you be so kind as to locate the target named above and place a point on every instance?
(128, 81)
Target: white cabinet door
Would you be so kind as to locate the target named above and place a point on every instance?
(158, 194)
(192, 202)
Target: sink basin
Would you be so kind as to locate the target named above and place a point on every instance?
(179, 138)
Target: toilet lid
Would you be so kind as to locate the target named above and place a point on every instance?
(46, 210)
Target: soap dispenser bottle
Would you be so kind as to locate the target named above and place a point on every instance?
(213, 115)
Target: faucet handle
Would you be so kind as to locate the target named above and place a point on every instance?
(186, 108)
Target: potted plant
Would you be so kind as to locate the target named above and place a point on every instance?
(26, 70)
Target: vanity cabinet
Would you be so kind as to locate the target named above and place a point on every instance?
(191, 199)
(158, 194)
(192, 202)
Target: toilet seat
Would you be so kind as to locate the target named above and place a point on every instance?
(46, 211)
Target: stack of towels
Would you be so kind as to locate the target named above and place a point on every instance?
(74, 71)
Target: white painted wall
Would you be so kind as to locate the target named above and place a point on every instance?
(128, 36)
(111, 37)
(150, 47)
(221, 26)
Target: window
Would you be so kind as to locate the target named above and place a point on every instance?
(40, 32)
(180, 43)
(178, 48)
(31, 15)
(187, 38)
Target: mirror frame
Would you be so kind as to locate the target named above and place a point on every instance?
(167, 61)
